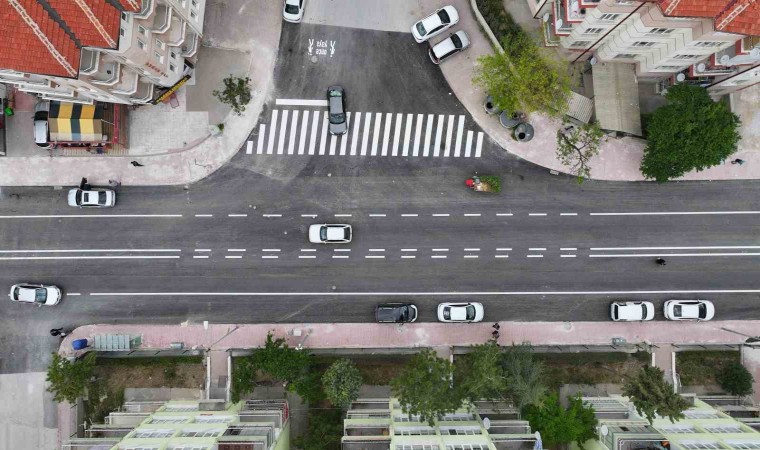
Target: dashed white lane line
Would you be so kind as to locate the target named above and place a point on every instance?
(676, 213)
(655, 255)
(711, 247)
(501, 256)
(377, 215)
(408, 256)
(504, 249)
(568, 214)
(503, 214)
(270, 249)
(70, 294)
(313, 216)
(537, 214)
(233, 257)
(535, 256)
(269, 256)
(438, 256)
(408, 249)
(537, 249)
(237, 215)
(204, 215)
(308, 249)
(92, 216)
(377, 249)
(306, 257)
(441, 215)
(374, 256)
(440, 249)
(342, 250)
(568, 249)
(343, 215)
(470, 256)
(271, 215)
(472, 249)
(567, 256)
(200, 257)
(340, 256)
(202, 249)
(409, 215)
(235, 249)
(472, 214)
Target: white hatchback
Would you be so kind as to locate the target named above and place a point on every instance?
(460, 312)
(435, 24)
(455, 43)
(38, 294)
(631, 311)
(330, 233)
(689, 310)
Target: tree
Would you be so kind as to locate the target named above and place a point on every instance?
(424, 387)
(324, 431)
(243, 377)
(576, 147)
(341, 382)
(691, 132)
(522, 79)
(736, 379)
(559, 425)
(524, 376)
(281, 361)
(69, 379)
(236, 93)
(481, 375)
(653, 396)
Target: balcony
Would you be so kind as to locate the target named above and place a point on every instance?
(367, 430)
(190, 46)
(128, 83)
(148, 6)
(176, 35)
(144, 92)
(162, 19)
(107, 74)
(88, 62)
(575, 11)
(365, 443)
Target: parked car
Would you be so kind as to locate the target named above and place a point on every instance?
(92, 198)
(455, 43)
(460, 312)
(631, 311)
(336, 105)
(689, 310)
(293, 10)
(41, 132)
(39, 294)
(330, 233)
(435, 24)
(396, 313)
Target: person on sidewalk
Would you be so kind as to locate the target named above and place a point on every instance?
(738, 161)
(114, 184)
(136, 164)
(58, 332)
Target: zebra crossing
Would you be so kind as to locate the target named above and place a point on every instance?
(305, 132)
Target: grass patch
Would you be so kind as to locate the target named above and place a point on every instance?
(590, 368)
(698, 367)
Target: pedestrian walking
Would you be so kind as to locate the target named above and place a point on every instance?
(56, 331)
(496, 326)
(738, 161)
(495, 335)
(136, 164)
(660, 261)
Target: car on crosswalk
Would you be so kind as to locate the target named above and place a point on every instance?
(92, 198)
(455, 43)
(336, 105)
(330, 233)
(293, 10)
(699, 310)
(38, 294)
(435, 24)
(631, 311)
(460, 312)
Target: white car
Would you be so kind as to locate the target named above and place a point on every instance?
(330, 233)
(455, 43)
(435, 24)
(689, 310)
(39, 294)
(631, 311)
(41, 132)
(92, 198)
(460, 312)
(293, 10)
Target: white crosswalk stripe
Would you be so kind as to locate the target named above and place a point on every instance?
(290, 130)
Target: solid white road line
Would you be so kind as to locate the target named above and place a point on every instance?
(472, 215)
(313, 136)
(365, 133)
(309, 215)
(537, 214)
(94, 216)
(377, 215)
(340, 256)
(204, 215)
(535, 256)
(438, 133)
(90, 250)
(307, 257)
(283, 129)
(428, 135)
(417, 135)
(387, 133)
(409, 215)
(568, 249)
(537, 249)
(233, 257)
(292, 139)
(237, 215)
(651, 255)
(355, 135)
(458, 142)
(472, 249)
(677, 213)
(503, 214)
(344, 138)
(249, 148)
(323, 138)
(270, 249)
(235, 249)
(271, 215)
(343, 215)
(407, 135)
(479, 144)
(568, 214)
(304, 128)
(269, 257)
(468, 144)
(711, 247)
(299, 102)
(397, 134)
(260, 139)
(441, 215)
(567, 256)
(421, 294)
(374, 256)
(272, 132)
(449, 134)
(376, 134)
(13, 258)
(333, 144)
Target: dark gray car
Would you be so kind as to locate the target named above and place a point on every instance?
(336, 107)
(396, 313)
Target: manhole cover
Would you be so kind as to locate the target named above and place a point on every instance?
(314, 59)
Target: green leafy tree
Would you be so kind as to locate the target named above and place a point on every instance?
(653, 396)
(324, 431)
(524, 376)
(522, 79)
(236, 93)
(308, 386)
(576, 147)
(560, 426)
(691, 132)
(243, 377)
(281, 361)
(481, 375)
(341, 382)
(736, 379)
(69, 379)
(424, 387)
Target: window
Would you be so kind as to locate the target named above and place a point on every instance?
(141, 30)
(406, 418)
(179, 408)
(580, 43)
(173, 54)
(744, 445)
(661, 31)
(625, 56)
(643, 44)
(200, 433)
(459, 431)
(609, 16)
(213, 419)
(457, 417)
(172, 67)
(125, 17)
(193, 15)
(139, 447)
(593, 30)
(417, 431)
(158, 56)
(700, 414)
(708, 44)
(467, 447)
(678, 429)
(194, 3)
(160, 44)
(122, 32)
(417, 447)
(686, 56)
(189, 447)
(728, 428)
(700, 445)
(141, 44)
(168, 419)
(152, 433)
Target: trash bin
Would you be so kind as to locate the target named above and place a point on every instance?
(79, 344)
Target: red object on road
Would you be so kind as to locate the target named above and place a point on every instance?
(470, 182)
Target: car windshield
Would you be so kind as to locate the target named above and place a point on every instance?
(337, 118)
(677, 311)
(702, 310)
(444, 16)
(78, 197)
(470, 312)
(291, 9)
(40, 295)
(643, 311)
(421, 28)
(323, 233)
(447, 313)
(101, 198)
(456, 41)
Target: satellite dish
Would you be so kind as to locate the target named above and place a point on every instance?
(680, 77)
(725, 59)
(755, 52)
(487, 423)
(701, 67)
(559, 23)
(593, 60)
(604, 430)
(546, 17)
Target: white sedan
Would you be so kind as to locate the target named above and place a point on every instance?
(689, 310)
(631, 311)
(460, 312)
(293, 10)
(39, 294)
(330, 233)
(92, 198)
(435, 24)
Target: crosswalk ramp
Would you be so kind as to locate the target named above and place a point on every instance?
(305, 132)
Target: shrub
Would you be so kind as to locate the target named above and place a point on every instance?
(736, 379)
(69, 379)
(342, 382)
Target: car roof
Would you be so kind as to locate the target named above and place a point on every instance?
(629, 311)
(459, 312)
(335, 233)
(390, 311)
(27, 294)
(447, 45)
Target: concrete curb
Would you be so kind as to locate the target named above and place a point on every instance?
(486, 28)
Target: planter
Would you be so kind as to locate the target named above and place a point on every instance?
(509, 120)
(490, 107)
(524, 132)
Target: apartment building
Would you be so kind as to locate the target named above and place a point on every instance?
(190, 425)
(86, 51)
(381, 424)
(713, 43)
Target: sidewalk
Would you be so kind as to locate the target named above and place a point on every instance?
(618, 159)
(256, 26)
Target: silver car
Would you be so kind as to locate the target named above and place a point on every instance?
(336, 105)
(38, 294)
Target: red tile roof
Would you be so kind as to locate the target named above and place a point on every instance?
(47, 37)
(733, 16)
